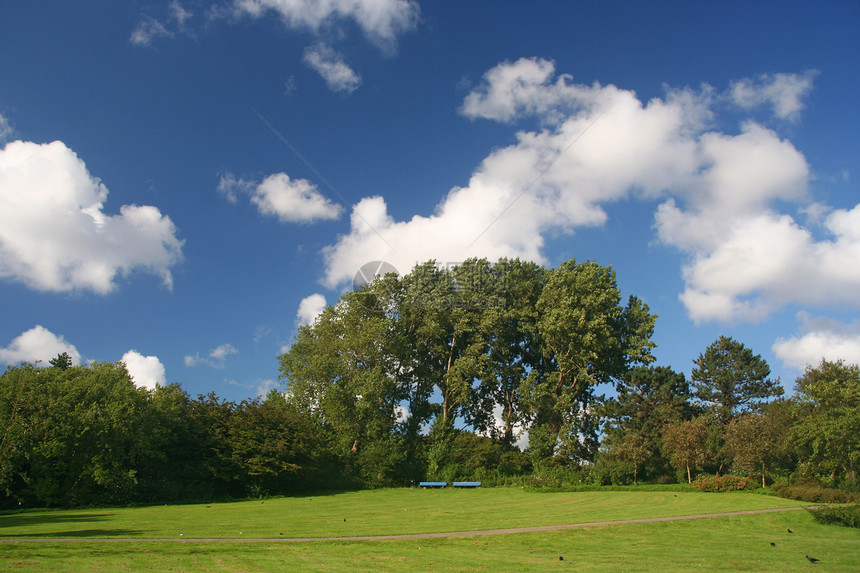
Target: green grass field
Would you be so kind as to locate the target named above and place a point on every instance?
(722, 543)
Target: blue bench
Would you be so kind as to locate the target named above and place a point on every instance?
(467, 484)
(426, 484)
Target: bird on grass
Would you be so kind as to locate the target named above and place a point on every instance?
(790, 531)
(561, 558)
(812, 559)
(772, 544)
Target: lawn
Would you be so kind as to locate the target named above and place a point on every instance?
(723, 543)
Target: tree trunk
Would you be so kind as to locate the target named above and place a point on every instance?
(689, 477)
(446, 405)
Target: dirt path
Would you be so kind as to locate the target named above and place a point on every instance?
(389, 537)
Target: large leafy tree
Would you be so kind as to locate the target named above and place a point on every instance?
(78, 439)
(827, 426)
(341, 371)
(509, 327)
(729, 379)
(587, 338)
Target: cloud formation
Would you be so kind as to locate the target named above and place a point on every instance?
(820, 338)
(722, 194)
(381, 21)
(782, 92)
(217, 358)
(149, 28)
(329, 64)
(38, 344)
(310, 308)
(6, 131)
(291, 200)
(54, 234)
(145, 371)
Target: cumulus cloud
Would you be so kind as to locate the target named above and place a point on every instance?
(767, 261)
(329, 64)
(785, 93)
(54, 234)
(820, 338)
(291, 200)
(310, 308)
(217, 358)
(721, 193)
(38, 344)
(145, 371)
(554, 179)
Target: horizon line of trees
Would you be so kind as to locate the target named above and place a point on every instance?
(381, 388)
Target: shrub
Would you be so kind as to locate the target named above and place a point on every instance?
(848, 516)
(809, 491)
(723, 483)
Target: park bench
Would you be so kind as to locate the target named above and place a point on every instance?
(426, 484)
(467, 484)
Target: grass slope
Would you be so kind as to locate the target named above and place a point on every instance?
(377, 512)
(717, 544)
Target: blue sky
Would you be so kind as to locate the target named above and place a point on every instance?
(182, 183)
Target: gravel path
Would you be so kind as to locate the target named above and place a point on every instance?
(386, 537)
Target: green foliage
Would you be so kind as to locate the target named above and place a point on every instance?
(730, 379)
(811, 491)
(687, 444)
(724, 483)
(588, 338)
(647, 399)
(847, 516)
(827, 413)
(62, 361)
(751, 440)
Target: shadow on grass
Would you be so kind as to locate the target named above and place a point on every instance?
(41, 518)
(51, 524)
(77, 533)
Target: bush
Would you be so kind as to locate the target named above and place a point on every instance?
(724, 483)
(812, 492)
(848, 516)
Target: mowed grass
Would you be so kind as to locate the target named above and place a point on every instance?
(737, 543)
(377, 512)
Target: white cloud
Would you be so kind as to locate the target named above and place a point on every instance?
(291, 200)
(765, 262)
(783, 92)
(820, 338)
(38, 344)
(263, 387)
(145, 371)
(600, 144)
(553, 179)
(149, 28)
(54, 235)
(216, 358)
(381, 21)
(6, 131)
(329, 64)
(310, 308)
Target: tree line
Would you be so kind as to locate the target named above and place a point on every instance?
(434, 375)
